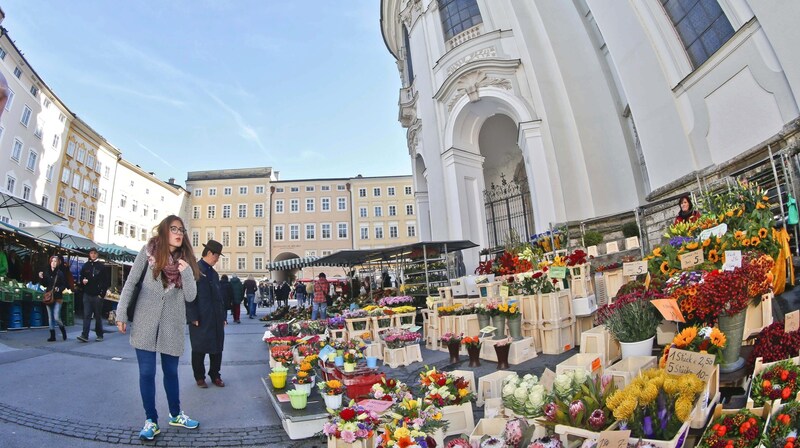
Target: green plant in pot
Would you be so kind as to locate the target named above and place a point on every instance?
(632, 319)
(592, 238)
(630, 229)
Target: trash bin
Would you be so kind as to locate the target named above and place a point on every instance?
(16, 315)
(37, 315)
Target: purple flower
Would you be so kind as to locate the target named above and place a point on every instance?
(575, 408)
(329, 429)
(597, 420)
(678, 241)
(647, 427)
(362, 433)
(550, 411)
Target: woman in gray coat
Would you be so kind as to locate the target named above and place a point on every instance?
(160, 316)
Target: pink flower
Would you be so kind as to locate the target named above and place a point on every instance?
(348, 436)
(362, 433)
(329, 429)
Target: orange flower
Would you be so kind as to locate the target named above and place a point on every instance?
(665, 267)
(707, 242)
(746, 242)
(754, 241)
(729, 213)
(692, 246)
(760, 206)
(765, 198)
(712, 256)
(739, 235)
(717, 337)
(657, 252)
(762, 233)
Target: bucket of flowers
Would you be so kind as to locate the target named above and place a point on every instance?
(396, 301)
(402, 436)
(578, 405)
(336, 323)
(332, 391)
(453, 343)
(351, 427)
(390, 390)
(417, 415)
(633, 321)
(452, 394)
(351, 357)
(473, 345)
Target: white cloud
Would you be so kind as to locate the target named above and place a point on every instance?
(153, 153)
(246, 131)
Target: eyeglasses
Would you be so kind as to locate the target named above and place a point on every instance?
(177, 230)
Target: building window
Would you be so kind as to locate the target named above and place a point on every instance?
(309, 188)
(94, 191)
(258, 238)
(26, 116)
(123, 201)
(294, 189)
(155, 213)
(326, 204)
(325, 188)
(311, 231)
(378, 211)
(458, 16)
(241, 263)
(376, 192)
(362, 212)
(62, 203)
(212, 211)
(294, 231)
(91, 216)
(10, 99)
(195, 238)
(242, 190)
(279, 190)
(82, 216)
(72, 209)
(362, 192)
(101, 221)
(279, 206)
(226, 263)
(294, 205)
(340, 187)
(2, 54)
(243, 210)
(103, 195)
(198, 192)
(309, 205)
(142, 234)
(701, 25)
(132, 232)
(145, 209)
(34, 91)
(341, 204)
(62, 118)
(71, 149)
(241, 238)
(107, 172)
(259, 210)
(90, 161)
(411, 230)
(407, 190)
(392, 210)
(16, 151)
(17, 72)
(259, 189)
(196, 212)
(33, 157)
(119, 228)
(45, 201)
(378, 233)
(409, 209)
(226, 211)
(76, 181)
(392, 231)
(26, 192)
(56, 140)
(39, 129)
(365, 233)
(390, 191)
(87, 185)
(66, 174)
(209, 235)
(227, 191)
(212, 191)
(226, 238)
(258, 263)
(82, 156)
(279, 233)
(342, 226)
(326, 231)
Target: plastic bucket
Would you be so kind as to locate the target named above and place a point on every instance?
(278, 379)
(298, 399)
(372, 361)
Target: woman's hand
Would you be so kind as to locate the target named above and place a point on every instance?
(182, 264)
(121, 327)
(41, 274)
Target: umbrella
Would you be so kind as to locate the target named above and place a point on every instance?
(61, 235)
(21, 210)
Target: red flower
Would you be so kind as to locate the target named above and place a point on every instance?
(347, 414)
(442, 381)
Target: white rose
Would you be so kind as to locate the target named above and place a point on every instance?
(532, 379)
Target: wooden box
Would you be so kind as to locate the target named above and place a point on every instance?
(487, 426)
(572, 437)
(395, 357)
(666, 332)
(580, 284)
(467, 325)
(590, 362)
(528, 308)
(338, 334)
(584, 306)
(398, 320)
(599, 340)
(583, 323)
(491, 386)
(632, 243)
(554, 306)
(413, 353)
(493, 407)
(519, 352)
(629, 368)
(374, 349)
(489, 290)
(759, 367)
(333, 442)
(460, 418)
(613, 280)
(532, 331)
(446, 293)
(358, 324)
(557, 340)
(759, 316)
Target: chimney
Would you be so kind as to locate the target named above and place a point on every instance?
(172, 180)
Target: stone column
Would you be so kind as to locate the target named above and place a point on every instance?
(543, 178)
(464, 187)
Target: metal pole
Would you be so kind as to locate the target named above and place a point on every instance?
(777, 183)
(552, 241)
(787, 171)
(425, 260)
(639, 226)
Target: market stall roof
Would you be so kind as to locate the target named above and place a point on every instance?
(291, 263)
(356, 257)
(19, 209)
(61, 235)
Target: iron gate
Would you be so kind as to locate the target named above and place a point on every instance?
(509, 215)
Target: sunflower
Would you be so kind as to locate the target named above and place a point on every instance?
(746, 242)
(717, 337)
(665, 267)
(754, 241)
(707, 242)
(760, 206)
(692, 246)
(762, 233)
(729, 213)
(712, 256)
(685, 337)
(739, 235)
(657, 252)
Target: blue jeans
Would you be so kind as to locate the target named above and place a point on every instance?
(301, 299)
(318, 310)
(147, 382)
(251, 304)
(54, 314)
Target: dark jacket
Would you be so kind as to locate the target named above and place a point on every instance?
(227, 293)
(208, 310)
(283, 292)
(56, 282)
(97, 275)
(250, 286)
(238, 290)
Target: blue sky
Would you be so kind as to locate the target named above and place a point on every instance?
(306, 87)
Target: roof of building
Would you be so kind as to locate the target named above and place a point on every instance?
(237, 173)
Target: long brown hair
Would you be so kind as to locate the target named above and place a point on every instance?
(162, 249)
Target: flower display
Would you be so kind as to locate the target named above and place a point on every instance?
(331, 387)
(778, 381)
(631, 318)
(656, 404)
(444, 389)
(451, 338)
(402, 437)
(773, 343)
(514, 431)
(471, 342)
(309, 327)
(577, 257)
(351, 356)
(303, 377)
(452, 310)
(390, 390)
(399, 338)
(532, 283)
(730, 292)
(351, 423)
(701, 340)
(547, 442)
(354, 314)
(511, 311)
(282, 340)
(525, 396)
(579, 400)
(282, 354)
(740, 430)
(336, 322)
(782, 429)
(415, 414)
(396, 301)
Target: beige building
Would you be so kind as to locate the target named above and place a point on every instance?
(384, 212)
(230, 207)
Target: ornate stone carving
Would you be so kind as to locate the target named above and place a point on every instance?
(483, 53)
(471, 82)
(412, 137)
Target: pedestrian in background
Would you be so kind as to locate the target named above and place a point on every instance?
(283, 293)
(250, 288)
(300, 293)
(94, 279)
(53, 280)
(207, 319)
(227, 294)
(238, 296)
(320, 305)
(160, 315)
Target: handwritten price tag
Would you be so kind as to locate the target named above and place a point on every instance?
(614, 439)
(669, 309)
(792, 322)
(488, 329)
(548, 378)
(504, 291)
(733, 259)
(682, 361)
(557, 272)
(692, 259)
(634, 268)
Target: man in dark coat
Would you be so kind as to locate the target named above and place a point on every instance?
(283, 292)
(238, 296)
(207, 319)
(95, 281)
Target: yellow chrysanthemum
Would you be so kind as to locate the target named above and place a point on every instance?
(401, 432)
(670, 385)
(718, 337)
(463, 392)
(615, 399)
(683, 409)
(625, 409)
(649, 394)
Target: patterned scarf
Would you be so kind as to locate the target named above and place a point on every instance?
(170, 271)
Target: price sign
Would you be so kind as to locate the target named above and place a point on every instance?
(488, 329)
(548, 378)
(596, 364)
(792, 322)
(669, 309)
(634, 268)
(733, 259)
(504, 291)
(557, 272)
(682, 361)
(377, 406)
(717, 231)
(613, 439)
(692, 259)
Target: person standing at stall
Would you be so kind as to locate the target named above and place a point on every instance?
(170, 272)
(94, 279)
(227, 294)
(238, 296)
(207, 319)
(54, 281)
(250, 289)
(320, 301)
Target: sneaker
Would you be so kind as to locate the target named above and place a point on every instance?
(82, 338)
(150, 430)
(184, 421)
(99, 339)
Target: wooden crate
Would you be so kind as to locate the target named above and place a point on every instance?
(599, 340)
(395, 357)
(666, 332)
(572, 437)
(467, 325)
(333, 442)
(374, 349)
(759, 367)
(629, 368)
(365, 322)
(493, 407)
(557, 340)
(583, 323)
(580, 283)
(400, 319)
(489, 290)
(759, 316)
(460, 418)
(590, 362)
(413, 353)
(490, 386)
(338, 334)
(719, 411)
(528, 308)
(584, 306)
(446, 293)
(554, 306)
(380, 324)
(532, 331)
(487, 426)
(519, 352)
(613, 280)
(468, 375)
(706, 403)
(558, 323)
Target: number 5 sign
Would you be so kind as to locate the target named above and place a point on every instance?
(692, 259)
(634, 268)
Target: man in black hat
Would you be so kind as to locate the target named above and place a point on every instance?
(207, 319)
(95, 281)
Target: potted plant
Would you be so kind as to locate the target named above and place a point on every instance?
(579, 401)
(332, 391)
(453, 343)
(633, 320)
(350, 358)
(473, 344)
(501, 349)
(352, 426)
(513, 317)
(303, 379)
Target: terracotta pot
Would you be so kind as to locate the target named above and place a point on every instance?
(502, 355)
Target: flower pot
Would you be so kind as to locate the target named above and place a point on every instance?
(338, 361)
(303, 388)
(474, 356)
(372, 362)
(499, 322)
(640, 348)
(333, 401)
(454, 348)
(515, 327)
(483, 321)
(298, 399)
(339, 352)
(278, 379)
(349, 367)
(331, 357)
(733, 327)
(502, 355)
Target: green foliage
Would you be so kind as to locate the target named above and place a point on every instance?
(630, 229)
(592, 238)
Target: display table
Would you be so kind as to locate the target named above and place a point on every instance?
(359, 382)
(298, 423)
